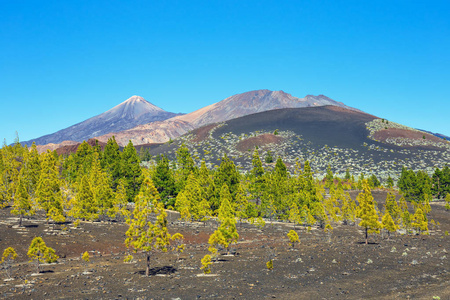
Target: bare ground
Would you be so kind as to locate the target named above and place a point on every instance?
(343, 267)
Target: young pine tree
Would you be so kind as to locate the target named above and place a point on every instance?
(227, 220)
(85, 205)
(293, 238)
(206, 264)
(388, 223)
(419, 221)
(367, 212)
(142, 234)
(40, 253)
(9, 255)
(22, 203)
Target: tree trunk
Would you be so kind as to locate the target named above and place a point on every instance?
(147, 270)
(367, 236)
(20, 220)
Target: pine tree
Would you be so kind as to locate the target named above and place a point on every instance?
(9, 255)
(348, 209)
(257, 169)
(101, 188)
(193, 194)
(32, 167)
(206, 264)
(293, 238)
(241, 203)
(294, 213)
(226, 217)
(404, 214)
(207, 186)
(182, 205)
(111, 161)
(85, 205)
(48, 192)
(329, 178)
(142, 234)
(390, 182)
(419, 221)
(308, 218)
(164, 181)
(216, 239)
(225, 210)
(226, 174)
(120, 201)
(178, 246)
(22, 202)
(392, 207)
(388, 223)
(39, 252)
(185, 166)
(131, 170)
(367, 212)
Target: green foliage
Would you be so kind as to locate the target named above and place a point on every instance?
(257, 168)
(111, 161)
(373, 181)
(185, 166)
(206, 264)
(367, 212)
(415, 187)
(392, 208)
(419, 221)
(390, 182)
(131, 171)
(48, 192)
(40, 253)
(293, 238)
(9, 255)
(227, 228)
(348, 209)
(388, 223)
(164, 181)
(22, 205)
(85, 257)
(143, 234)
(226, 174)
(269, 265)
(85, 207)
(268, 158)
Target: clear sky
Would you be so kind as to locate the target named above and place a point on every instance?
(62, 62)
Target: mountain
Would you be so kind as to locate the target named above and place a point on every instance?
(230, 108)
(324, 135)
(253, 102)
(130, 113)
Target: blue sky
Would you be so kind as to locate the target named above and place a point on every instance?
(62, 62)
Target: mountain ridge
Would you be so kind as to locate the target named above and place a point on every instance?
(130, 113)
(229, 108)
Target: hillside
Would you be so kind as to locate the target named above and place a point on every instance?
(327, 135)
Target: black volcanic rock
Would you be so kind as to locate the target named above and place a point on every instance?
(130, 113)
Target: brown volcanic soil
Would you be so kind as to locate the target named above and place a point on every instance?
(259, 141)
(316, 269)
(202, 133)
(384, 134)
(68, 149)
